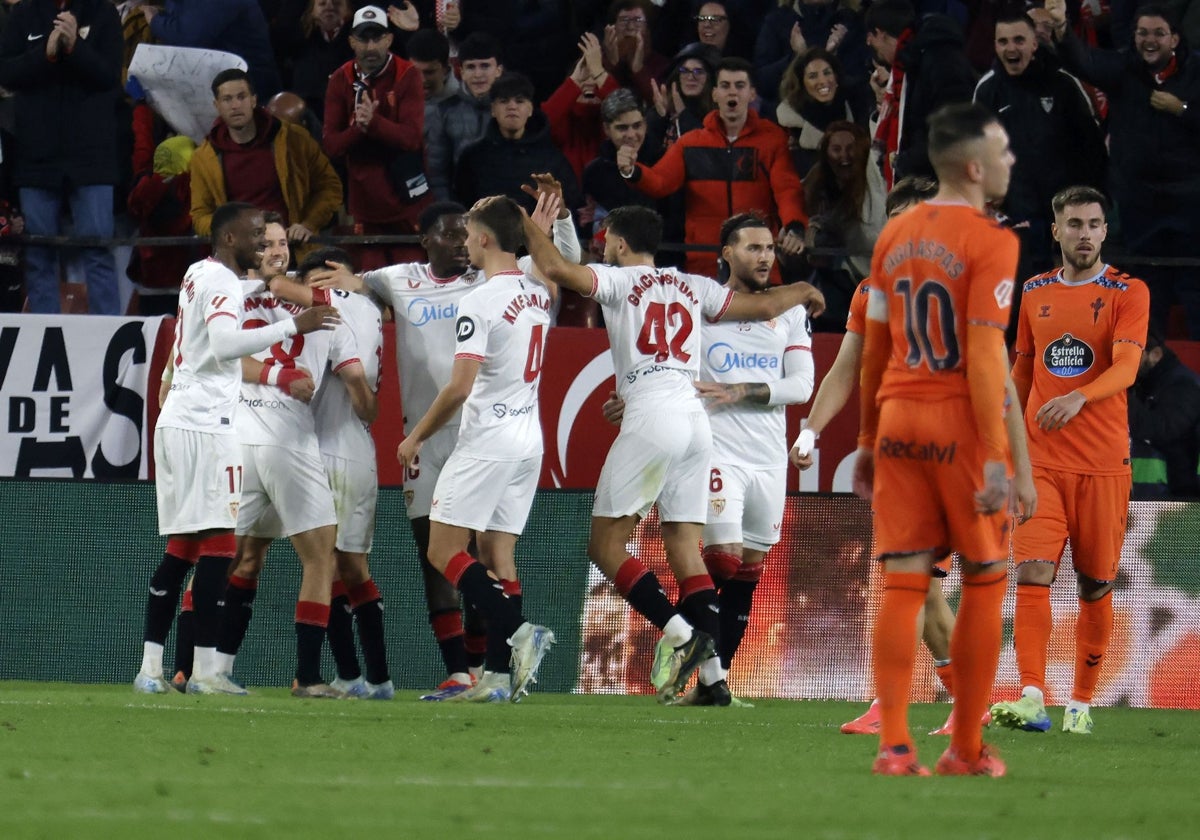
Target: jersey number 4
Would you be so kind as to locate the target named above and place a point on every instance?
(919, 305)
(665, 331)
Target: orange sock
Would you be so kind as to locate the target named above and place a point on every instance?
(1031, 632)
(975, 651)
(1092, 633)
(946, 675)
(894, 649)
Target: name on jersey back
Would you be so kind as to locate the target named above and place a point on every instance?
(648, 281)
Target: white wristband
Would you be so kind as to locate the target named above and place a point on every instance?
(273, 375)
(804, 443)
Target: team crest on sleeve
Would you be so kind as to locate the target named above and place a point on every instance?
(1004, 293)
(717, 505)
(464, 328)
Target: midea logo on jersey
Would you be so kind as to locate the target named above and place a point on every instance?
(1068, 356)
(422, 310)
(722, 358)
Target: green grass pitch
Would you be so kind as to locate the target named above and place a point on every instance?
(84, 761)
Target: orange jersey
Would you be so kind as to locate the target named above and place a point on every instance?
(856, 321)
(941, 267)
(1068, 330)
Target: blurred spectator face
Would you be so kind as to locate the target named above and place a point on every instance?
(1080, 230)
(840, 154)
(1015, 45)
(883, 45)
(478, 74)
(235, 104)
(1154, 41)
(329, 15)
(433, 76)
(628, 129)
(712, 25)
(751, 256)
(512, 115)
(371, 46)
(1042, 25)
(820, 82)
(276, 255)
(692, 76)
(631, 24)
(733, 94)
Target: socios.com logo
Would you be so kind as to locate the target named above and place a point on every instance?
(421, 311)
(722, 358)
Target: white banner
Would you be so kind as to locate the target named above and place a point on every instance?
(73, 396)
(178, 84)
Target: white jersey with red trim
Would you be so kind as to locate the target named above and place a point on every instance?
(204, 389)
(340, 432)
(744, 434)
(426, 308)
(653, 316)
(503, 325)
(266, 415)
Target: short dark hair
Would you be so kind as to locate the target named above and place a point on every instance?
(317, 259)
(1015, 14)
(503, 217)
(620, 101)
(270, 217)
(910, 190)
(952, 125)
(478, 46)
(890, 16)
(627, 5)
(232, 74)
(639, 226)
(734, 225)
(227, 214)
(1157, 10)
(735, 64)
(430, 215)
(512, 86)
(1077, 195)
(429, 45)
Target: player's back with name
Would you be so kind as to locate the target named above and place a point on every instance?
(204, 389)
(266, 415)
(503, 325)
(340, 432)
(654, 316)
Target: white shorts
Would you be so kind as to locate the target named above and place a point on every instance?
(197, 480)
(355, 487)
(421, 478)
(745, 506)
(485, 495)
(657, 459)
(284, 492)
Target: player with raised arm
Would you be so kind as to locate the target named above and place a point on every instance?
(198, 465)
(933, 453)
(1080, 334)
(487, 484)
(653, 318)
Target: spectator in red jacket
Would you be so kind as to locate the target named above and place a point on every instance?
(723, 176)
(375, 119)
(573, 110)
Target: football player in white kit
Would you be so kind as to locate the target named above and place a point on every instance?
(488, 483)
(198, 465)
(653, 319)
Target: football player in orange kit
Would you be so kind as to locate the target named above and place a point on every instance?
(1080, 336)
(933, 452)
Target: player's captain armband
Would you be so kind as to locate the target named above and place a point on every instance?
(1004, 293)
(805, 442)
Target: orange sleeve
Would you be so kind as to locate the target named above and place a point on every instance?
(1022, 372)
(1126, 357)
(876, 349)
(664, 177)
(856, 321)
(987, 372)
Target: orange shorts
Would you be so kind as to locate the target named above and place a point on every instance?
(928, 466)
(1090, 510)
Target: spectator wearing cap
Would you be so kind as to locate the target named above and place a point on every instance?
(236, 26)
(462, 119)
(684, 98)
(515, 145)
(574, 109)
(374, 121)
(251, 156)
(312, 39)
(63, 64)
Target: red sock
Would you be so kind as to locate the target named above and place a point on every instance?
(1031, 632)
(975, 653)
(1093, 631)
(946, 675)
(312, 613)
(894, 649)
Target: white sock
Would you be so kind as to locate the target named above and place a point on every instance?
(1035, 693)
(1078, 706)
(476, 671)
(711, 671)
(223, 662)
(152, 657)
(460, 677)
(204, 663)
(677, 631)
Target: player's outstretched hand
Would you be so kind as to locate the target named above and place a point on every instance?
(1023, 497)
(863, 478)
(317, 318)
(336, 276)
(406, 452)
(613, 408)
(994, 494)
(1057, 412)
(546, 211)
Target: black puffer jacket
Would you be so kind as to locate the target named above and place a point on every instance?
(1164, 412)
(493, 165)
(66, 110)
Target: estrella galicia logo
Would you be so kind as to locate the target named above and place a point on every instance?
(1068, 356)
(464, 328)
(422, 310)
(500, 409)
(722, 358)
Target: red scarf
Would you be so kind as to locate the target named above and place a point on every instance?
(887, 132)
(1167, 72)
